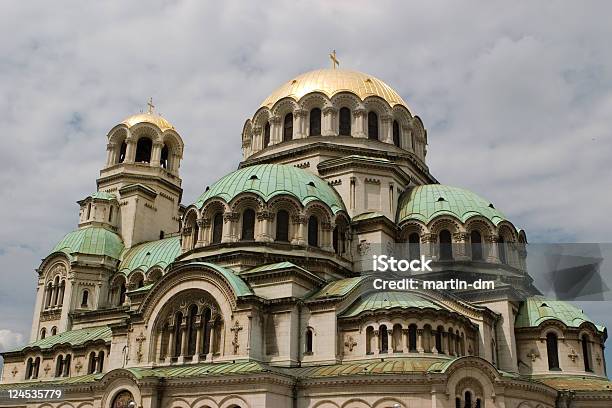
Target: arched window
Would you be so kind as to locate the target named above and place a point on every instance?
(345, 122)
(206, 325)
(372, 126)
(178, 322)
(163, 159)
(100, 361)
(85, 298)
(369, 339)
(396, 133)
(144, 146)
(88, 211)
(552, 351)
(195, 233)
(493, 353)
(123, 400)
(28, 373)
(36, 367)
(313, 231)
(384, 339)
(53, 331)
(414, 246)
(59, 366)
(282, 226)
(501, 244)
(439, 347)
(468, 399)
(288, 127)
(476, 245)
(478, 403)
(248, 225)
(315, 122)
(412, 337)
(337, 241)
(67, 361)
(458, 403)
(49, 294)
(217, 228)
(122, 290)
(446, 249)
(55, 290)
(122, 151)
(140, 282)
(110, 214)
(91, 365)
(586, 353)
(266, 140)
(43, 333)
(192, 330)
(62, 288)
(309, 336)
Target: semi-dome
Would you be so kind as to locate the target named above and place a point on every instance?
(537, 309)
(333, 81)
(270, 180)
(91, 241)
(148, 117)
(424, 203)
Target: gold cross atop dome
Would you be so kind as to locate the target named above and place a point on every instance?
(150, 105)
(335, 62)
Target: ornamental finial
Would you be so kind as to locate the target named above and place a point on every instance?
(150, 105)
(335, 62)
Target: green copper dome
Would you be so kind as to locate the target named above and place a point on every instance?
(424, 203)
(389, 300)
(270, 180)
(537, 309)
(91, 241)
(154, 253)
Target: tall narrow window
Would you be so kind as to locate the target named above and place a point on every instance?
(178, 333)
(85, 298)
(192, 330)
(372, 126)
(501, 244)
(62, 289)
(88, 211)
(478, 403)
(28, 374)
(163, 159)
(59, 366)
(468, 399)
(266, 140)
(476, 245)
(458, 403)
(335, 240)
(309, 336)
(414, 246)
(122, 290)
(110, 214)
(144, 146)
(36, 367)
(122, 151)
(446, 249)
(288, 127)
(217, 228)
(315, 122)
(313, 231)
(384, 339)
(100, 361)
(282, 226)
(91, 366)
(345, 122)
(195, 233)
(49, 294)
(67, 362)
(586, 352)
(552, 350)
(43, 333)
(439, 347)
(248, 225)
(53, 331)
(412, 337)
(206, 325)
(396, 133)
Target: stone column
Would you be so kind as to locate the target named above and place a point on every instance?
(184, 339)
(264, 219)
(329, 114)
(276, 133)
(326, 237)
(130, 151)
(406, 339)
(360, 115)
(299, 123)
(493, 255)
(460, 240)
(198, 348)
(211, 337)
(111, 154)
(256, 139)
(156, 154)
(420, 341)
(203, 231)
(442, 343)
(170, 352)
(230, 220)
(434, 349)
(387, 128)
(375, 336)
(449, 337)
(427, 242)
(299, 223)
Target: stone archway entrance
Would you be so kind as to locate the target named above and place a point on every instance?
(124, 399)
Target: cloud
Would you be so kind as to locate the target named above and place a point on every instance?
(517, 101)
(9, 340)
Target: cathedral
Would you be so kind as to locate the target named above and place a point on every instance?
(260, 293)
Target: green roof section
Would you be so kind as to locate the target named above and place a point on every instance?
(238, 285)
(270, 180)
(537, 309)
(73, 337)
(339, 287)
(202, 370)
(388, 300)
(424, 203)
(91, 240)
(370, 367)
(149, 254)
(101, 195)
(576, 383)
(368, 216)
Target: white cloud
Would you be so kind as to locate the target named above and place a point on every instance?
(10, 340)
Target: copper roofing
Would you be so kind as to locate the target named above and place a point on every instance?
(73, 337)
(91, 240)
(537, 309)
(149, 254)
(389, 300)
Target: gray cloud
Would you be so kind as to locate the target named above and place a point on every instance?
(517, 101)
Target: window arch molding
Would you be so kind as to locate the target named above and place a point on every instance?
(174, 143)
(284, 203)
(212, 211)
(324, 227)
(190, 229)
(136, 279)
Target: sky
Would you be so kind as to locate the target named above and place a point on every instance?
(517, 102)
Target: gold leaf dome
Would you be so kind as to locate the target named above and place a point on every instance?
(333, 81)
(152, 118)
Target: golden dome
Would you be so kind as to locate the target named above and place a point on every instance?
(333, 81)
(157, 120)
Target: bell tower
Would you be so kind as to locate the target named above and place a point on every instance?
(144, 153)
